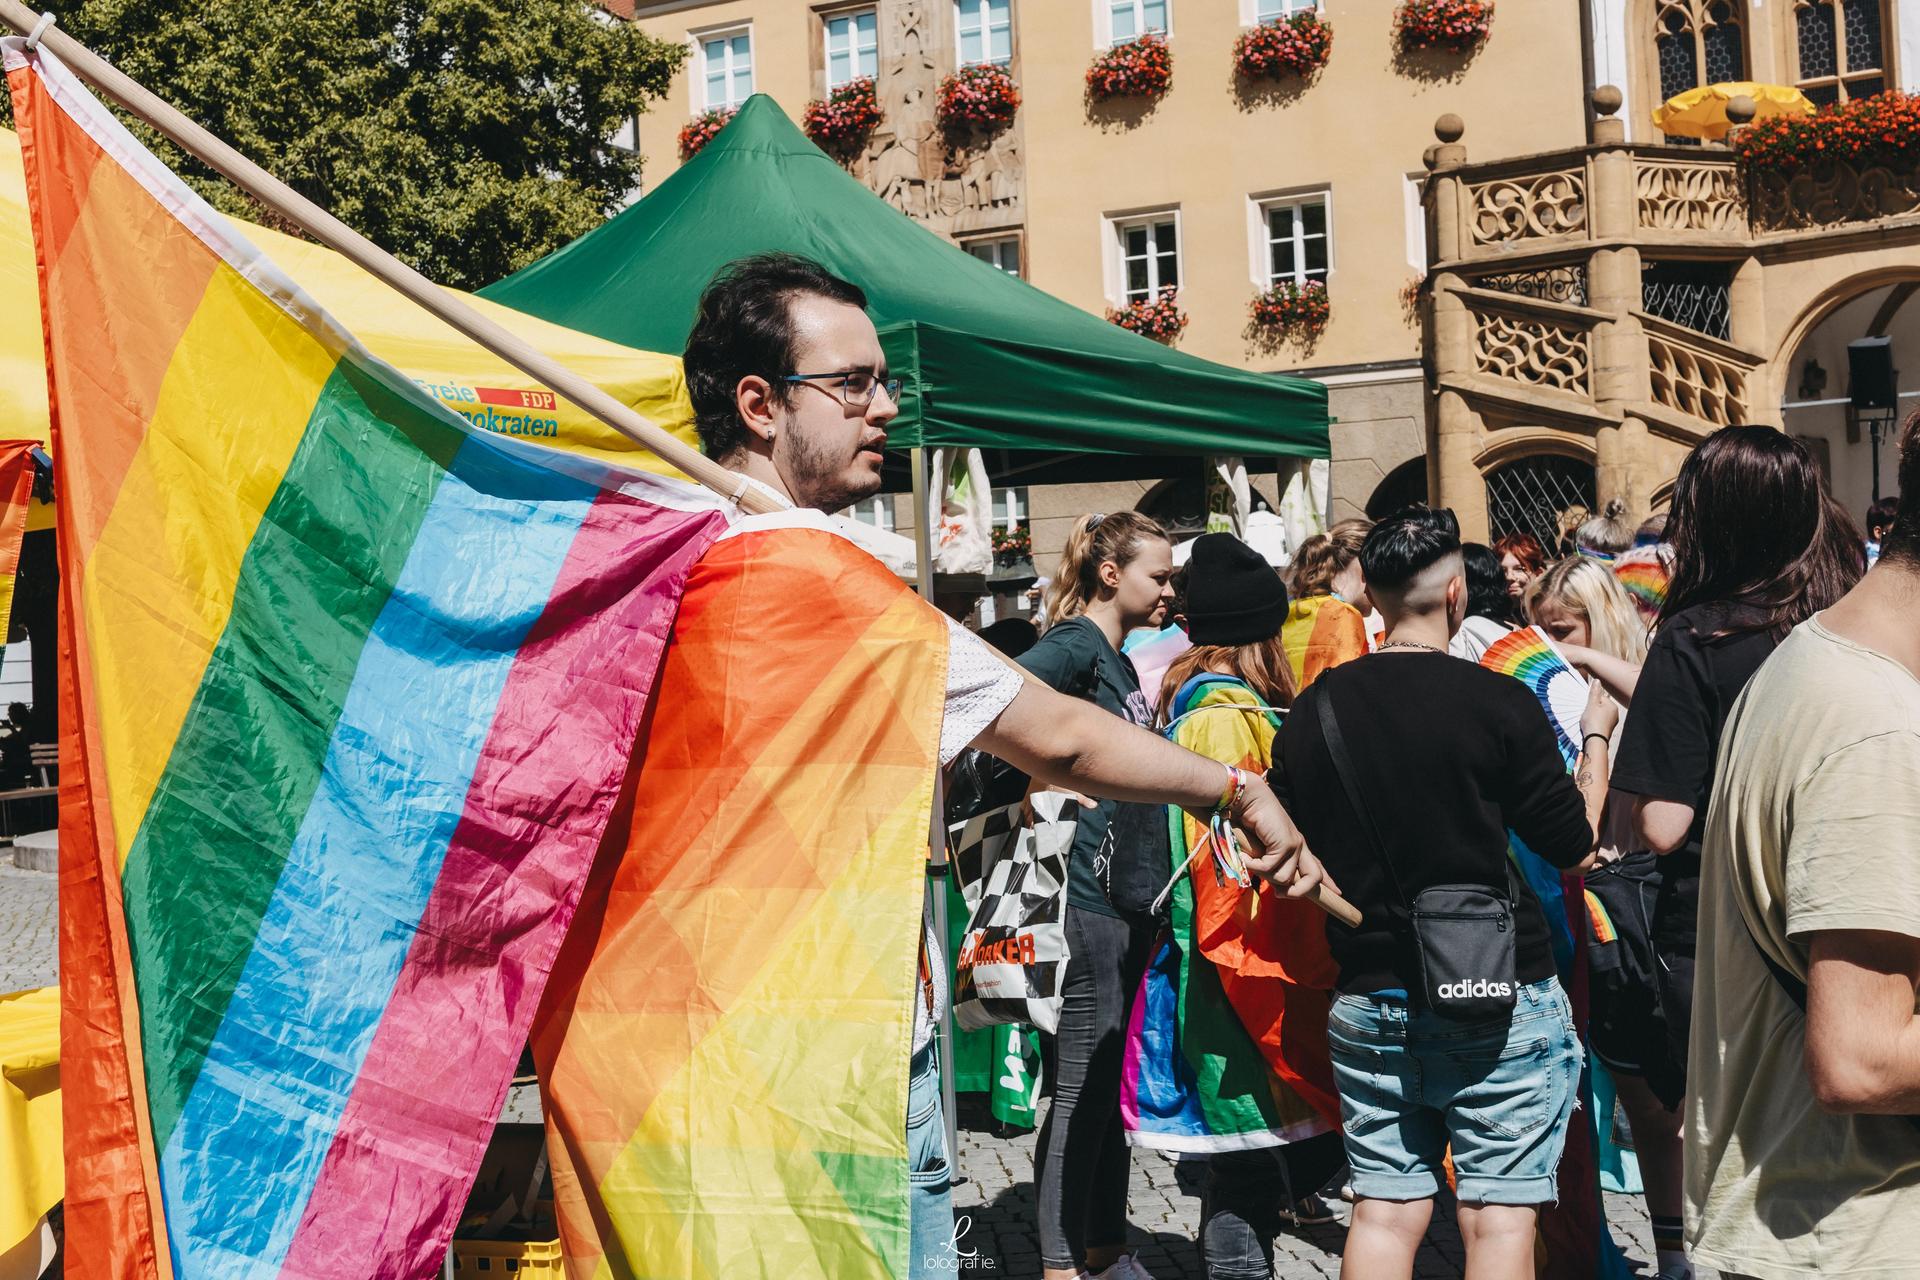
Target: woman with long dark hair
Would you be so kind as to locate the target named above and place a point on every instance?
(1758, 548)
(1490, 609)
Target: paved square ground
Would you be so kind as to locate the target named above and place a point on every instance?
(996, 1206)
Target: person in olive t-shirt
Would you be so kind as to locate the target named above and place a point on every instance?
(1113, 578)
(1803, 1115)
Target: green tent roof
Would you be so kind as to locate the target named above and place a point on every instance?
(988, 360)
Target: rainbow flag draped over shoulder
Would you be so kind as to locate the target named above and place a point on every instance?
(348, 690)
(1227, 1048)
(724, 1048)
(1321, 632)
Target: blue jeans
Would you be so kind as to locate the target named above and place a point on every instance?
(930, 1176)
(1499, 1092)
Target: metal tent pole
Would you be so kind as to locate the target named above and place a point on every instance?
(937, 827)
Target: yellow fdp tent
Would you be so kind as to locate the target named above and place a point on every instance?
(468, 379)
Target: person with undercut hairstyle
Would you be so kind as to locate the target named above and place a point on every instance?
(1444, 757)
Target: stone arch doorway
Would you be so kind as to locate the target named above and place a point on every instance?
(1527, 495)
(1811, 378)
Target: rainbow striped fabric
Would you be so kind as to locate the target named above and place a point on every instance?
(348, 691)
(1227, 1047)
(723, 1054)
(16, 496)
(1646, 573)
(1531, 658)
(1321, 632)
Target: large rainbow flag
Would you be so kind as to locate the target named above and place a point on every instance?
(1227, 1048)
(723, 1050)
(1321, 632)
(348, 690)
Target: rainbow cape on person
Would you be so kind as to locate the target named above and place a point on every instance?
(1646, 573)
(348, 688)
(1227, 1049)
(1321, 632)
(723, 1050)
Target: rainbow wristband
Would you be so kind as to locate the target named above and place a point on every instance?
(1236, 782)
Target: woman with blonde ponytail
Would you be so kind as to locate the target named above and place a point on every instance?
(1114, 576)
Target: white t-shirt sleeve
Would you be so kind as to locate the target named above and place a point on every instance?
(980, 684)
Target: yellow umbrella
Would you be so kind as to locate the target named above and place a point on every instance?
(467, 378)
(1702, 112)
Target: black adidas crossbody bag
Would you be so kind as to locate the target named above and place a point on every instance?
(1464, 933)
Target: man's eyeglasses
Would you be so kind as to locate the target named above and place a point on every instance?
(857, 386)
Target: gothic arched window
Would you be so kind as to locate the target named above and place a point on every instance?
(1698, 42)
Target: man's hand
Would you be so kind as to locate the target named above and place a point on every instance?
(1283, 859)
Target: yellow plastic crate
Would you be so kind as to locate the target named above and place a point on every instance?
(521, 1259)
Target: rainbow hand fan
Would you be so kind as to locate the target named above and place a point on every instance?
(1528, 656)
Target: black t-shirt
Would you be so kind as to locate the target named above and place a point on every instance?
(1450, 757)
(1696, 667)
(1116, 843)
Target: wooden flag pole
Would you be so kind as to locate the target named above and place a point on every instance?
(342, 239)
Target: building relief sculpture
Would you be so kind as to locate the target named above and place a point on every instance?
(952, 184)
(1532, 350)
(1678, 196)
(1546, 204)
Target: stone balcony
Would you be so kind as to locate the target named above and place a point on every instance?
(1618, 302)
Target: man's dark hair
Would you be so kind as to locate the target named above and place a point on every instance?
(745, 327)
(1400, 547)
(1880, 515)
(1902, 543)
(1487, 585)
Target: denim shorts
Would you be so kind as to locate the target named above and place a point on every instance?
(930, 1173)
(1499, 1093)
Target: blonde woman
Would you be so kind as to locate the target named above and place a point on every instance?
(1591, 617)
(1114, 577)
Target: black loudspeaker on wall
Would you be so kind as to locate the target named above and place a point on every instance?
(1870, 373)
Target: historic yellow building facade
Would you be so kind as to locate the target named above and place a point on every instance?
(1593, 312)
(1219, 186)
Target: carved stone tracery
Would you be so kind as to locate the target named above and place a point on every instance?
(1532, 350)
(1833, 191)
(1520, 208)
(1681, 196)
(1692, 382)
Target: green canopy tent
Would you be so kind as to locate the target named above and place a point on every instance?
(988, 360)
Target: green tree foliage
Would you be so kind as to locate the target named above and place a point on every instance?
(466, 136)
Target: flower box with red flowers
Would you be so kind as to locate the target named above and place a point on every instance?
(1288, 306)
(981, 96)
(1159, 318)
(845, 121)
(1140, 68)
(1453, 25)
(1296, 46)
(701, 130)
(1879, 132)
(1012, 545)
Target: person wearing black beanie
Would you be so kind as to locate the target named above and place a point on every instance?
(1234, 596)
(1276, 1150)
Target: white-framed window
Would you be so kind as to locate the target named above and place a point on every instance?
(1295, 233)
(999, 251)
(1147, 254)
(1125, 20)
(1256, 11)
(725, 79)
(853, 46)
(627, 136)
(1010, 508)
(876, 511)
(984, 31)
(1410, 187)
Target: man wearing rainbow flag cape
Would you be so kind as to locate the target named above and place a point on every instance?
(733, 1034)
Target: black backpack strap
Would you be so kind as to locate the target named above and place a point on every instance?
(1349, 780)
(1796, 990)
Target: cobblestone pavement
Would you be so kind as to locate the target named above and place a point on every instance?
(27, 931)
(1164, 1206)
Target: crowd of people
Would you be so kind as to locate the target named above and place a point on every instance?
(1738, 834)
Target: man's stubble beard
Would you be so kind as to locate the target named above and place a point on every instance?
(818, 480)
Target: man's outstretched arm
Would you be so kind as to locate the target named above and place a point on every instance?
(1066, 742)
(1863, 1038)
